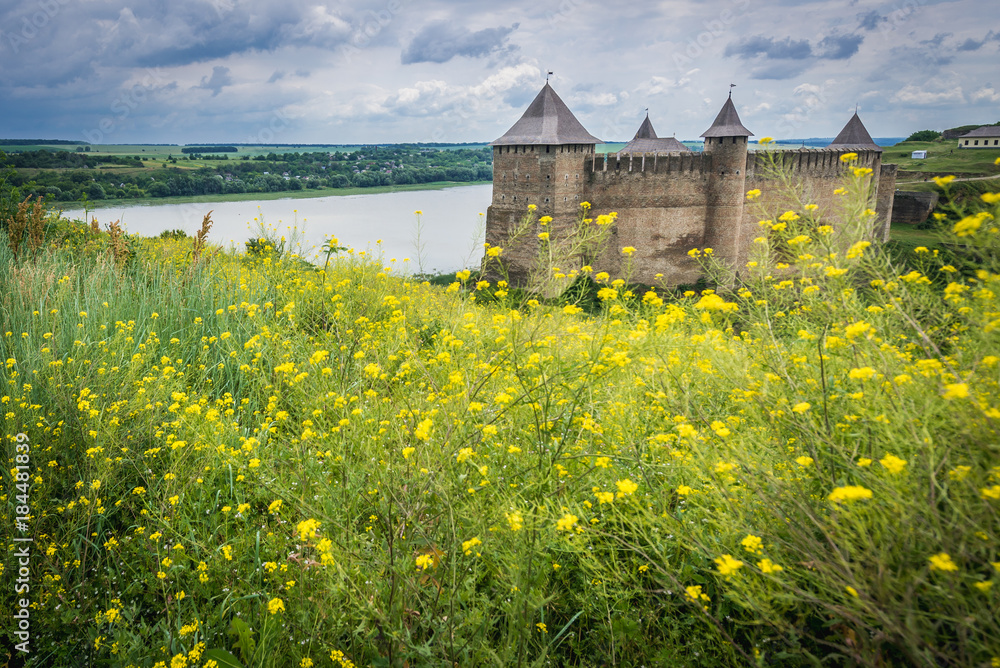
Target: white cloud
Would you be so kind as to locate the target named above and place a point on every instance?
(334, 69)
(917, 96)
(506, 79)
(986, 93)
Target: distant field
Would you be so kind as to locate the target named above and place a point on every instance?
(159, 152)
(942, 157)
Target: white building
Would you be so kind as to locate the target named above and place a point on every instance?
(987, 136)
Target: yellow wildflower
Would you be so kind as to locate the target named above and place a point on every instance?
(850, 493)
(942, 562)
(626, 487)
(566, 522)
(892, 463)
(767, 566)
(728, 565)
(956, 391)
(752, 544)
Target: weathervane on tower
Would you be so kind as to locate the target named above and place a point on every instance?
(731, 87)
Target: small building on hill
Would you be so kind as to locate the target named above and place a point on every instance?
(987, 136)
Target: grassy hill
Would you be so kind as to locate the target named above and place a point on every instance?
(942, 158)
(245, 460)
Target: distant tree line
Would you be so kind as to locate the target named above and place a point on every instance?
(933, 135)
(66, 160)
(67, 177)
(924, 135)
(209, 149)
(39, 142)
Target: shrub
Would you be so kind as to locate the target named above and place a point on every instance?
(924, 135)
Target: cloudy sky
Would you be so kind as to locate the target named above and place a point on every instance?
(314, 71)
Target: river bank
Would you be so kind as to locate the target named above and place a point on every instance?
(447, 234)
(260, 197)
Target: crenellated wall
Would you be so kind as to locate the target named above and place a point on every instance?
(661, 201)
(667, 203)
(816, 175)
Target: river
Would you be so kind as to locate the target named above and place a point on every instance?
(451, 230)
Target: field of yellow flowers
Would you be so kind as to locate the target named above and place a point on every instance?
(244, 460)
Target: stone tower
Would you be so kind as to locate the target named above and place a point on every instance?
(726, 164)
(855, 137)
(538, 161)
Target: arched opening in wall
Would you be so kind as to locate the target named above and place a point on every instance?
(547, 148)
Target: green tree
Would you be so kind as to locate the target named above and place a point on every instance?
(924, 135)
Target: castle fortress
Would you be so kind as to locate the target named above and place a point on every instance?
(668, 199)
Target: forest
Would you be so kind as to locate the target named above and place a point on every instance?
(64, 176)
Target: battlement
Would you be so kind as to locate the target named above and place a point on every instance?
(678, 162)
(822, 162)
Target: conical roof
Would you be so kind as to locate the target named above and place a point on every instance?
(727, 123)
(646, 130)
(646, 141)
(547, 120)
(658, 145)
(854, 135)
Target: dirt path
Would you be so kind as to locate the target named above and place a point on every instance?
(968, 178)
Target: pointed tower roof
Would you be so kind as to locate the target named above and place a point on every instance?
(646, 141)
(727, 123)
(547, 120)
(854, 135)
(646, 130)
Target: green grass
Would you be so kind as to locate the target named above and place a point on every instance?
(907, 238)
(942, 158)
